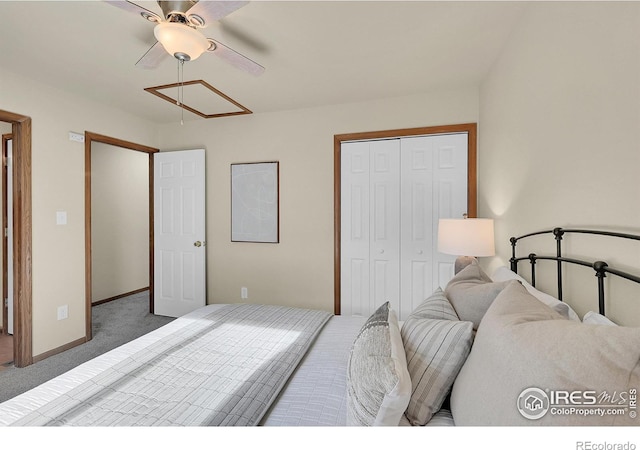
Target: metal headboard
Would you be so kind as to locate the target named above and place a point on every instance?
(601, 268)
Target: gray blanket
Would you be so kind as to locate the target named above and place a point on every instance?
(225, 368)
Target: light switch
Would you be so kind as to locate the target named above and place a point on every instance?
(63, 312)
(61, 217)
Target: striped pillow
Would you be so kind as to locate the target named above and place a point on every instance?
(436, 306)
(378, 383)
(435, 350)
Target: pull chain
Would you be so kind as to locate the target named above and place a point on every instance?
(181, 89)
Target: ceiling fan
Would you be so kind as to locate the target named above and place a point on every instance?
(178, 32)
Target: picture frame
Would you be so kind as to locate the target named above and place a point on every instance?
(255, 202)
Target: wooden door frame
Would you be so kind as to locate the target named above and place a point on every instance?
(338, 139)
(22, 228)
(90, 138)
(5, 224)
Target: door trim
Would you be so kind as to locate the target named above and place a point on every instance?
(338, 139)
(22, 227)
(5, 208)
(89, 138)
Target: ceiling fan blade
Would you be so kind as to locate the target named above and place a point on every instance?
(136, 9)
(154, 56)
(210, 11)
(236, 59)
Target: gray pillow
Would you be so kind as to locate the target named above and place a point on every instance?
(436, 306)
(523, 351)
(436, 350)
(471, 292)
(378, 383)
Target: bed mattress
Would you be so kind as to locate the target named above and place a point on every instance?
(315, 394)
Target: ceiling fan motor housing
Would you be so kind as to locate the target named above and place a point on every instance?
(170, 8)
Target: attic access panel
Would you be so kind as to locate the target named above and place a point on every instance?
(200, 98)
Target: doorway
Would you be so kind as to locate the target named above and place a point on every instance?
(6, 324)
(90, 139)
(22, 254)
(464, 129)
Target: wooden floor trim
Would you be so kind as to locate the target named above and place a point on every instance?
(116, 297)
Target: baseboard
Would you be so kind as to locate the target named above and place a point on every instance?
(81, 341)
(116, 297)
(60, 349)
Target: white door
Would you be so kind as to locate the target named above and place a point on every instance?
(370, 225)
(450, 154)
(9, 198)
(179, 232)
(385, 222)
(393, 192)
(355, 229)
(434, 185)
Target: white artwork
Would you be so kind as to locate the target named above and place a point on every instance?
(254, 202)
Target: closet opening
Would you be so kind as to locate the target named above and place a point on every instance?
(390, 187)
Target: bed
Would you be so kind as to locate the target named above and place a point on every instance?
(483, 350)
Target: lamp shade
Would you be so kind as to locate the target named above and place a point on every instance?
(181, 40)
(466, 237)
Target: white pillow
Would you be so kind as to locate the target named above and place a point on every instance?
(503, 273)
(523, 346)
(378, 382)
(593, 318)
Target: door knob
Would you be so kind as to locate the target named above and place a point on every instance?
(197, 244)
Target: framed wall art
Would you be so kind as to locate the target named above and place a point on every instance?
(255, 202)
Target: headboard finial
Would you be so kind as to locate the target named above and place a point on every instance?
(599, 267)
(558, 233)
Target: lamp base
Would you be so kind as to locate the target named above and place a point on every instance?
(462, 262)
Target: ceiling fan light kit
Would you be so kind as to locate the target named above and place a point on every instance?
(181, 41)
(178, 31)
(178, 34)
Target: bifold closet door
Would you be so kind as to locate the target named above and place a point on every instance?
(370, 228)
(433, 181)
(393, 193)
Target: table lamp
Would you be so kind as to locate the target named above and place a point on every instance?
(467, 238)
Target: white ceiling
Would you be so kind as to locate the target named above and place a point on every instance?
(315, 52)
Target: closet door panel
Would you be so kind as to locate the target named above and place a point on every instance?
(450, 193)
(385, 222)
(355, 229)
(417, 235)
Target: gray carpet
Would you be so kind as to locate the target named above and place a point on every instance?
(114, 324)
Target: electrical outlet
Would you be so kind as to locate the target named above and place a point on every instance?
(61, 217)
(63, 312)
(244, 293)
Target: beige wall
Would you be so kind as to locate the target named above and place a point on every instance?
(299, 270)
(558, 136)
(58, 185)
(119, 220)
